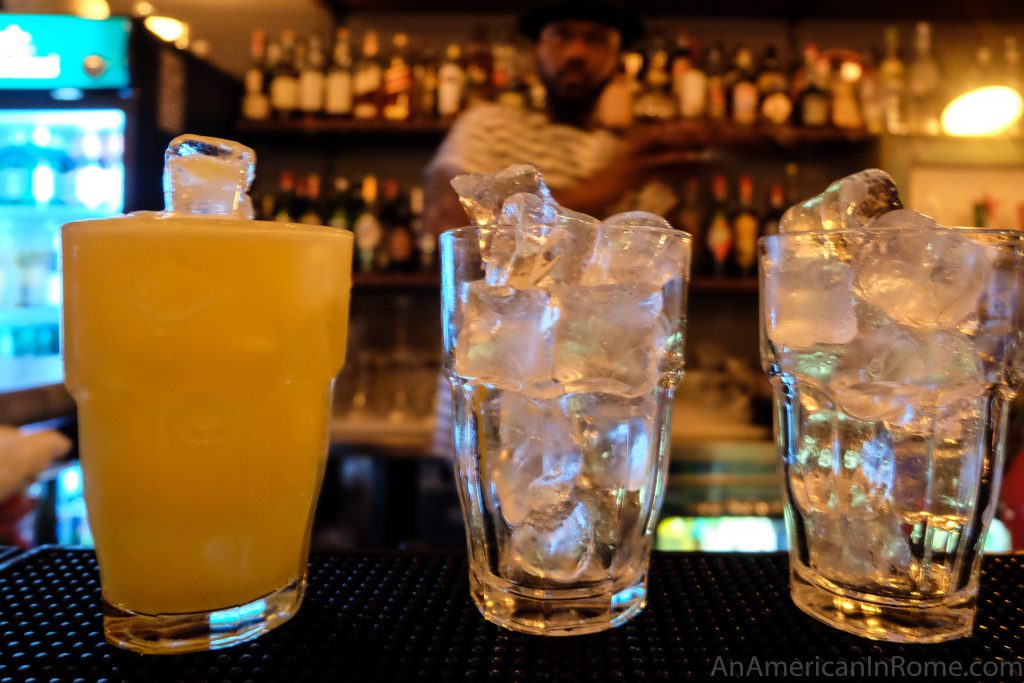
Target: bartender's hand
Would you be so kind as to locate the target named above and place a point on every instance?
(648, 148)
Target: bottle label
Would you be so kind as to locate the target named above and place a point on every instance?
(338, 93)
(284, 93)
(449, 92)
(815, 110)
(720, 239)
(693, 95)
(744, 103)
(777, 108)
(746, 241)
(311, 91)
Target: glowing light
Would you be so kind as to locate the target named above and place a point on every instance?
(166, 28)
(850, 71)
(92, 146)
(44, 183)
(142, 9)
(92, 9)
(41, 136)
(90, 186)
(71, 481)
(982, 112)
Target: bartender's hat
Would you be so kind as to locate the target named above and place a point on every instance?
(607, 12)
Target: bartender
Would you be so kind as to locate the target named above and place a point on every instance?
(577, 47)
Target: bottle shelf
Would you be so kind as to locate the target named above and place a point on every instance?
(675, 133)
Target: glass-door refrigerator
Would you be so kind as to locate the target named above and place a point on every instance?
(86, 110)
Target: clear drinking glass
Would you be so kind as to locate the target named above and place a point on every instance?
(893, 355)
(562, 361)
(201, 352)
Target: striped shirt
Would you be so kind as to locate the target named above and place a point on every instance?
(488, 137)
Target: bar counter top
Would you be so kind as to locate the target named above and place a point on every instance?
(397, 617)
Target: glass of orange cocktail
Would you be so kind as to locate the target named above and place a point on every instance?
(201, 348)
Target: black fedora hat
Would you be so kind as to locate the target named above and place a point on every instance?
(607, 12)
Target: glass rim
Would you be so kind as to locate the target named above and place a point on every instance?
(473, 230)
(945, 230)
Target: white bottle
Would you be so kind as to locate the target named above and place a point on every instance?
(451, 83)
(338, 84)
(311, 79)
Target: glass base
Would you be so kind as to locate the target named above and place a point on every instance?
(198, 631)
(882, 617)
(558, 612)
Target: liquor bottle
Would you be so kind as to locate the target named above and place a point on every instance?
(744, 94)
(284, 83)
(341, 205)
(745, 224)
(870, 99)
(814, 101)
(388, 217)
(891, 84)
(478, 66)
(311, 211)
(424, 85)
(451, 83)
(311, 78)
(285, 203)
(614, 108)
(655, 101)
(846, 112)
(255, 103)
(367, 80)
(689, 218)
(923, 85)
(338, 83)
(398, 82)
(718, 234)
(401, 245)
(688, 79)
(776, 207)
(301, 201)
(714, 68)
(773, 86)
(426, 241)
(367, 226)
(506, 74)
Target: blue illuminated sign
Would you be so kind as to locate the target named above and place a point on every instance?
(48, 51)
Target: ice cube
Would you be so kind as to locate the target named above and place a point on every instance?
(547, 255)
(208, 176)
(894, 372)
(525, 208)
(606, 336)
(927, 278)
(903, 218)
(807, 290)
(534, 464)
(614, 435)
(638, 218)
(623, 253)
(506, 337)
(847, 204)
(483, 194)
(557, 550)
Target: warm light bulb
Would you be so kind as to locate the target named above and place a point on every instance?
(166, 28)
(985, 111)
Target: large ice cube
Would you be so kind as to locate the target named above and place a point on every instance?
(482, 194)
(632, 219)
(605, 339)
(894, 372)
(525, 208)
(807, 291)
(614, 436)
(555, 550)
(624, 254)
(506, 338)
(847, 204)
(208, 176)
(927, 278)
(903, 218)
(548, 255)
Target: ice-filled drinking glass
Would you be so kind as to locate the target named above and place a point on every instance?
(563, 345)
(893, 353)
(200, 348)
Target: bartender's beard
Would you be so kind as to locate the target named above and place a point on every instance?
(576, 109)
